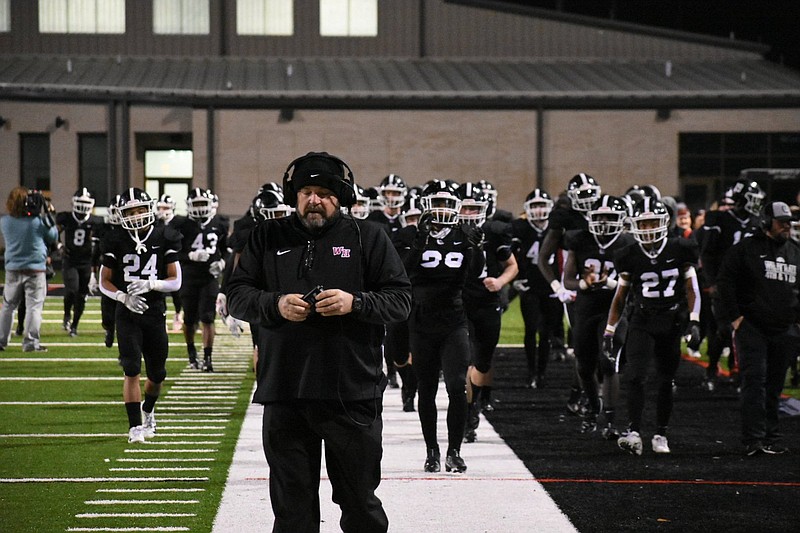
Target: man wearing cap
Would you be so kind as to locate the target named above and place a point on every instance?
(758, 287)
(321, 286)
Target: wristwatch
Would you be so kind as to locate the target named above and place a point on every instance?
(358, 303)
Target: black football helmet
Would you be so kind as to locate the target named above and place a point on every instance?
(411, 211)
(165, 207)
(583, 191)
(475, 201)
(200, 204)
(747, 196)
(538, 205)
(136, 209)
(440, 200)
(82, 203)
(271, 186)
(393, 190)
(360, 209)
(607, 216)
(650, 222)
(491, 194)
(268, 205)
(375, 198)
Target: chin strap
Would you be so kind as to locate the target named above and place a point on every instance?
(141, 247)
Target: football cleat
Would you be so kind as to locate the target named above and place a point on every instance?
(193, 363)
(660, 444)
(66, 323)
(454, 463)
(610, 432)
(207, 365)
(408, 402)
(433, 461)
(149, 424)
(73, 332)
(109, 338)
(589, 424)
(631, 443)
(136, 434)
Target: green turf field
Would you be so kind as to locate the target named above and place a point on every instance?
(65, 463)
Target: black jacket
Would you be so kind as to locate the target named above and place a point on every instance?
(321, 357)
(758, 280)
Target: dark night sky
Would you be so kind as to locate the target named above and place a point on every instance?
(774, 23)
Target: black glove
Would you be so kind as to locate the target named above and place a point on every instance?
(474, 235)
(608, 357)
(423, 230)
(693, 337)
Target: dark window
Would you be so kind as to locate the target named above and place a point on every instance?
(35, 157)
(701, 143)
(94, 166)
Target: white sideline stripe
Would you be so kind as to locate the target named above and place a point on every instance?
(169, 415)
(97, 479)
(161, 469)
(174, 489)
(191, 427)
(191, 401)
(162, 417)
(56, 360)
(140, 502)
(59, 435)
(160, 528)
(191, 434)
(181, 442)
(165, 459)
(494, 500)
(134, 515)
(189, 408)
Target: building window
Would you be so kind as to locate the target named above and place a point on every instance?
(348, 18)
(82, 16)
(265, 17)
(35, 157)
(94, 166)
(181, 17)
(5, 16)
(709, 163)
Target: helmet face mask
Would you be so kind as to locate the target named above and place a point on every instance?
(393, 191)
(136, 210)
(82, 203)
(165, 207)
(649, 223)
(360, 209)
(474, 204)
(443, 207)
(538, 206)
(746, 196)
(200, 205)
(583, 191)
(268, 205)
(607, 217)
(411, 211)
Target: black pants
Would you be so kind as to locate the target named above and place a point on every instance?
(292, 435)
(541, 314)
(484, 332)
(654, 337)
(763, 359)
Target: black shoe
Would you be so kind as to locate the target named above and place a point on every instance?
(408, 404)
(755, 448)
(193, 361)
(488, 406)
(454, 462)
(19, 331)
(470, 436)
(39, 348)
(774, 449)
(393, 381)
(610, 432)
(109, 338)
(66, 323)
(433, 461)
(589, 424)
(73, 332)
(207, 365)
(473, 417)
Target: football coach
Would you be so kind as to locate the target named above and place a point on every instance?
(321, 286)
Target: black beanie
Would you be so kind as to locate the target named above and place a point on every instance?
(321, 170)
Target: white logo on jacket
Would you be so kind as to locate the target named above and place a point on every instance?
(779, 270)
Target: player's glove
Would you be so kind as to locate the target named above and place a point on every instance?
(134, 302)
(423, 230)
(565, 295)
(93, 285)
(693, 338)
(140, 286)
(608, 358)
(521, 285)
(215, 268)
(200, 256)
(474, 235)
(222, 305)
(235, 326)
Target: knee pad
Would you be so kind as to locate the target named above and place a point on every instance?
(157, 375)
(131, 368)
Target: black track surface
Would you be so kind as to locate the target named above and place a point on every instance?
(706, 484)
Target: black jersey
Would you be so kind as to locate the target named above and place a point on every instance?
(79, 237)
(589, 254)
(566, 219)
(391, 225)
(119, 253)
(212, 237)
(721, 230)
(657, 283)
(240, 234)
(497, 250)
(439, 271)
(530, 241)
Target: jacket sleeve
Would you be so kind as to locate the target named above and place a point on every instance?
(731, 270)
(388, 291)
(249, 297)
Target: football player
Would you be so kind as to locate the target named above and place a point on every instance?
(79, 228)
(721, 230)
(140, 265)
(484, 301)
(360, 209)
(658, 273)
(541, 310)
(205, 241)
(440, 254)
(589, 270)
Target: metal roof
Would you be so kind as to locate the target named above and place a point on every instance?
(379, 83)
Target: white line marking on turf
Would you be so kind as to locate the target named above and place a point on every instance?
(161, 469)
(56, 360)
(140, 502)
(174, 489)
(59, 435)
(211, 450)
(165, 459)
(65, 378)
(160, 528)
(134, 515)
